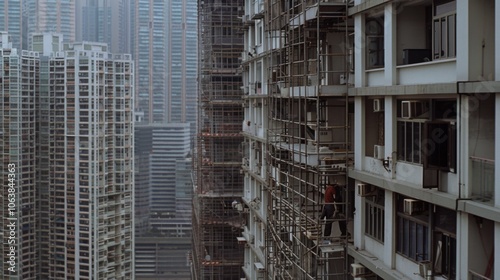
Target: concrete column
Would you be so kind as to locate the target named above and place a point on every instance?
(359, 51)
(359, 220)
(359, 132)
(390, 46)
(497, 41)
(463, 40)
(497, 153)
(463, 244)
(390, 133)
(390, 231)
(463, 144)
(496, 262)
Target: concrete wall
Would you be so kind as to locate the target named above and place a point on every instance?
(480, 235)
(410, 30)
(481, 33)
(373, 126)
(482, 125)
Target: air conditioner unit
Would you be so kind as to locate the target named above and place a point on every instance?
(259, 267)
(378, 152)
(412, 206)
(424, 267)
(411, 109)
(324, 134)
(378, 105)
(358, 269)
(364, 189)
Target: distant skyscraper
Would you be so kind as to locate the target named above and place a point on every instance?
(50, 16)
(166, 43)
(11, 20)
(163, 144)
(106, 21)
(150, 35)
(182, 64)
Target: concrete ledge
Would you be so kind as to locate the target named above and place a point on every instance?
(479, 209)
(444, 88)
(374, 264)
(429, 195)
(479, 87)
(366, 5)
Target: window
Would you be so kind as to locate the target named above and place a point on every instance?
(426, 133)
(374, 214)
(409, 139)
(444, 29)
(375, 42)
(445, 243)
(439, 150)
(412, 231)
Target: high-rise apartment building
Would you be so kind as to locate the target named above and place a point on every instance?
(19, 75)
(216, 225)
(74, 158)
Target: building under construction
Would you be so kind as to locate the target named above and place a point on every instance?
(298, 137)
(218, 182)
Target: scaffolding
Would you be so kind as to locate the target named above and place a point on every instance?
(218, 181)
(310, 140)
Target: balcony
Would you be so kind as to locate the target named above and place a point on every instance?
(440, 71)
(482, 179)
(258, 9)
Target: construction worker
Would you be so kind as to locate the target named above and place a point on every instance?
(331, 209)
(328, 209)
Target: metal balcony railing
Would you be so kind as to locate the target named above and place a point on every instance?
(483, 179)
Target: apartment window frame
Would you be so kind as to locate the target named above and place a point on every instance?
(375, 215)
(444, 29)
(413, 235)
(444, 254)
(375, 42)
(409, 139)
(445, 250)
(429, 137)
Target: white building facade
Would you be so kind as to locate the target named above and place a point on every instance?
(255, 125)
(425, 95)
